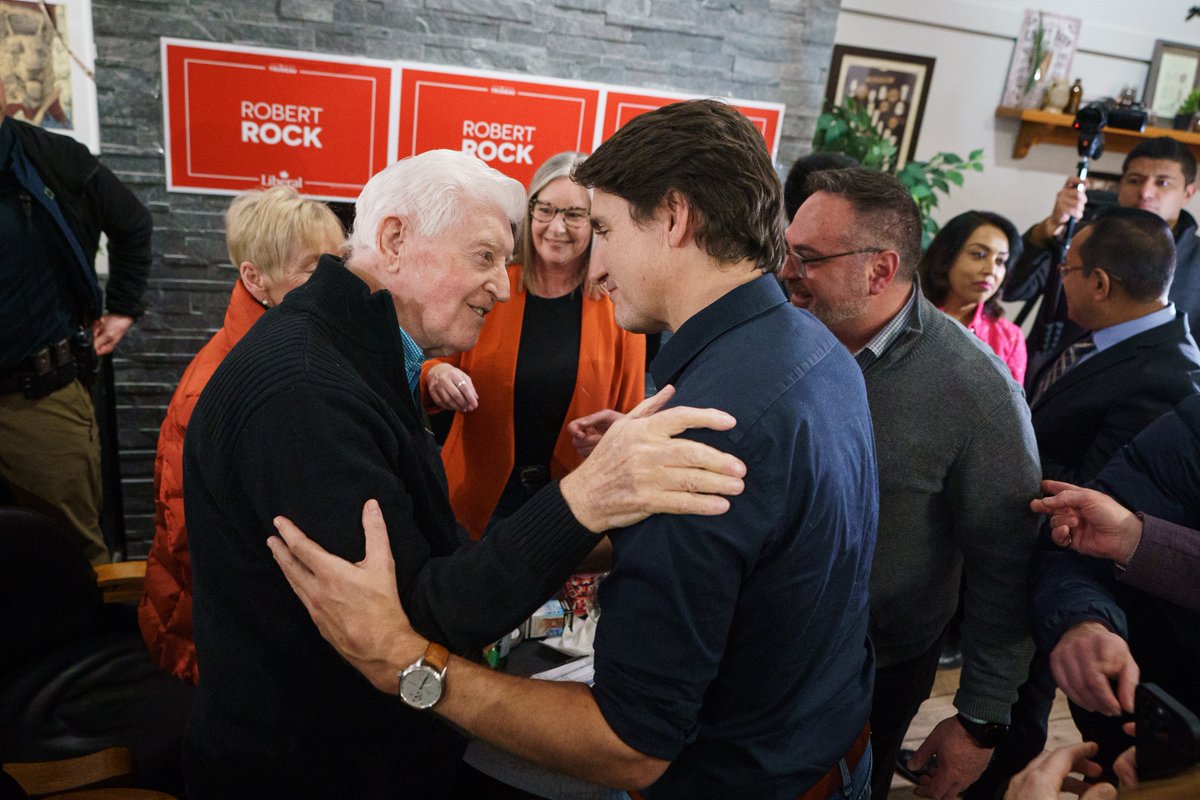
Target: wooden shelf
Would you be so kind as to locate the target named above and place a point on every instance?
(1045, 127)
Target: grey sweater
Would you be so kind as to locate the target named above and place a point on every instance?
(958, 465)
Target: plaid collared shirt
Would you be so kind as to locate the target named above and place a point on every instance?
(880, 342)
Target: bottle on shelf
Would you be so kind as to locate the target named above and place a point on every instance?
(1072, 106)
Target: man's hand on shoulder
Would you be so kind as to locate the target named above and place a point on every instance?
(356, 607)
(1085, 662)
(639, 468)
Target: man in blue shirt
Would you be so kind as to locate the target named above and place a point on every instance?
(733, 660)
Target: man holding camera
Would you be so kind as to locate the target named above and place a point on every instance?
(55, 200)
(1158, 175)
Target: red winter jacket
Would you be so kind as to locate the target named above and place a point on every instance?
(165, 613)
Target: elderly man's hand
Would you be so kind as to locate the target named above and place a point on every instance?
(356, 607)
(1049, 773)
(1087, 658)
(638, 468)
(960, 760)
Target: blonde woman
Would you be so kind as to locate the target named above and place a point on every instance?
(274, 238)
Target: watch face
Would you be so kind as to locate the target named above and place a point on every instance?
(421, 688)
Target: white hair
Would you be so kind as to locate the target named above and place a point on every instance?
(431, 190)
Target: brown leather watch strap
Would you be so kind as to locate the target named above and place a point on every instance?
(437, 656)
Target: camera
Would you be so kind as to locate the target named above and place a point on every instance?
(1091, 120)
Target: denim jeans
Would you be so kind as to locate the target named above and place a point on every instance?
(859, 785)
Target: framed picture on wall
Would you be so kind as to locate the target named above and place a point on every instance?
(893, 87)
(1044, 51)
(1174, 73)
(45, 63)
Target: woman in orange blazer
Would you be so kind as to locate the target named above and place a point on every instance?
(275, 238)
(549, 355)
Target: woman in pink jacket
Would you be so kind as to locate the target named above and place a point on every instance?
(962, 272)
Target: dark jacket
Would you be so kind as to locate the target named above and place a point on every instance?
(93, 200)
(1101, 404)
(1052, 331)
(1156, 474)
(310, 415)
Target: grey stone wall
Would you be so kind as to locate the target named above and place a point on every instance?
(775, 50)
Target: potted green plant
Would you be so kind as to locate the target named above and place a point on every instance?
(1187, 111)
(848, 129)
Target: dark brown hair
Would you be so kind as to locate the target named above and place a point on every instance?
(1164, 148)
(712, 155)
(885, 212)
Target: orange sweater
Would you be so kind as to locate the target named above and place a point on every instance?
(165, 612)
(478, 453)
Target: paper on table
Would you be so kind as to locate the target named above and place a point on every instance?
(581, 670)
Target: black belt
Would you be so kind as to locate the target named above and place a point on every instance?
(46, 370)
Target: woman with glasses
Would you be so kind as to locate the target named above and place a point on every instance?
(962, 272)
(549, 355)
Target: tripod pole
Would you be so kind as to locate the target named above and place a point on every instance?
(1072, 222)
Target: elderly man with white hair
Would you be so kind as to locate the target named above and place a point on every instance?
(312, 414)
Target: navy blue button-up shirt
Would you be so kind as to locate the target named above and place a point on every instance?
(736, 646)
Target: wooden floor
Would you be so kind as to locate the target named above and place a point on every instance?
(939, 706)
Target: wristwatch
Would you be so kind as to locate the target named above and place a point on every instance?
(985, 734)
(421, 683)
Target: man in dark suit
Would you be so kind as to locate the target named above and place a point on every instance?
(1139, 360)
(1159, 175)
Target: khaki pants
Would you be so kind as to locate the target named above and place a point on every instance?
(50, 458)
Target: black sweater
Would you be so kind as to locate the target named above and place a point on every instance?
(309, 416)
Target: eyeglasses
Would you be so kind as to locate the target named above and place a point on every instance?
(802, 262)
(1064, 271)
(573, 217)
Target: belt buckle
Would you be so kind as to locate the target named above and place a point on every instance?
(61, 353)
(41, 361)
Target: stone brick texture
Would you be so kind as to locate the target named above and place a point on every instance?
(774, 50)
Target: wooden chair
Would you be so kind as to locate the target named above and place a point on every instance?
(75, 679)
(122, 581)
(96, 776)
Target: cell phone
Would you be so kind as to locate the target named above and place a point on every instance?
(1167, 736)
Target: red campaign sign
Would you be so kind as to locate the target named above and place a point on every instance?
(247, 118)
(512, 125)
(620, 107)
